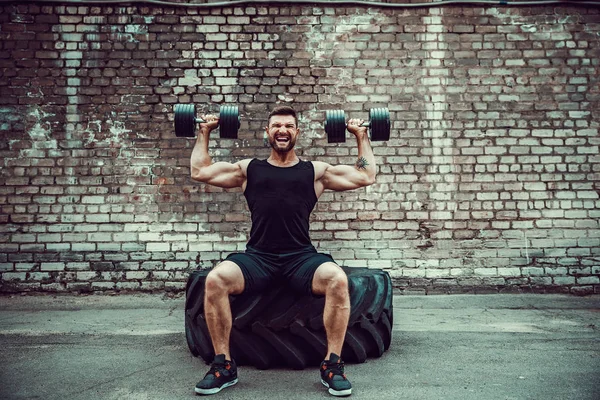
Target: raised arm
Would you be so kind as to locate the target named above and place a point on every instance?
(346, 177)
(221, 174)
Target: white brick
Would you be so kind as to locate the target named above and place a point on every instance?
(486, 271)
(151, 237)
(563, 280)
(509, 272)
(78, 266)
(158, 246)
(14, 276)
(52, 266)
(436, 273)
(25, 266)
(7, 266)
(413, 273)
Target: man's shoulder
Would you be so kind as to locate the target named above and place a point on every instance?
(320, 168)
(246, 161)
(244, 164)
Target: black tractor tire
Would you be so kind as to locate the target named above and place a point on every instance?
(281, 328)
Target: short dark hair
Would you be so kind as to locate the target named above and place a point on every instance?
(283, 110)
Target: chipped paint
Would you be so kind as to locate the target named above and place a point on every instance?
(240, 143)
(128, 33)
(190, 78)
(529, 28)
(137, 29)
(285, 98)
(88, 134)
(41, 129)
(118, 132)
(311, 125)
(526, 247)
(123, 37)
(73, 98)
(20, 18)
(436, 104)
(8, 116)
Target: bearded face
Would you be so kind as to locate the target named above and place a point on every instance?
(282, 133)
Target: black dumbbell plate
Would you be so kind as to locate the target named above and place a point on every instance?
(185, 120)
(335, 126)
(380, 124)
(229, 122)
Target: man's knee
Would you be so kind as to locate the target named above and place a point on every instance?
(330, 279)
(225, 278)
(339, 284)
(339, 279)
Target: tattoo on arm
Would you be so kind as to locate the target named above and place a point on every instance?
(361, 163)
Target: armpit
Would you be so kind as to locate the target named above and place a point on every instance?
(319, 168)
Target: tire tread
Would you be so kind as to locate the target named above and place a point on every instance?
(283, 328)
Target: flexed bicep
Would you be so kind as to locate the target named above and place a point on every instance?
(345, 177)
(222, 174)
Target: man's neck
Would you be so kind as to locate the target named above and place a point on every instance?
(283, 159)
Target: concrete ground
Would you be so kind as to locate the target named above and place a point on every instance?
(480, 347)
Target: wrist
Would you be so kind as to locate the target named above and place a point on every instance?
(204, 132)
(360, 136)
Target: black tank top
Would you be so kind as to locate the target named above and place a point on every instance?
(280, 201)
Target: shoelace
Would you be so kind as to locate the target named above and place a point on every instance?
(336, 369)
(217, 370)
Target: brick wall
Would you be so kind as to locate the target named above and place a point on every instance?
(489, 183)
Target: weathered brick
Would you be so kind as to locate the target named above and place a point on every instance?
(52, 266)
(486, 176)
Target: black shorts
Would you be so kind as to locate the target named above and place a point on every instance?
(295, 269)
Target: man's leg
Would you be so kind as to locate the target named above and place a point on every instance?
(225, 279)
(330, 280)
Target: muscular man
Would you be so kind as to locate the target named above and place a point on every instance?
(281, 192)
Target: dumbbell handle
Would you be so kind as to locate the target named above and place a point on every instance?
(186, 120)
(378, 124)
(201, 121)
(367, 124)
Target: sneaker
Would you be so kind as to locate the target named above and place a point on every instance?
(222, 374)
(333, 377)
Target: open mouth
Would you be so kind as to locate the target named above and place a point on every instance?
(282, 139)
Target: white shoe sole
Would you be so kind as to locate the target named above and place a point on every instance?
(216, 390)
(340, 393)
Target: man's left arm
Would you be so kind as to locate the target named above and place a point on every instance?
(362, 173)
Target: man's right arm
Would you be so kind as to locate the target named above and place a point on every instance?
(221, 174)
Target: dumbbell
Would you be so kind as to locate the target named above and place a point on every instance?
(185, 121)
(379, 125)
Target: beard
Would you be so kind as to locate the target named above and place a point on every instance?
(280, 147)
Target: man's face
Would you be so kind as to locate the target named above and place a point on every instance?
(282, 132)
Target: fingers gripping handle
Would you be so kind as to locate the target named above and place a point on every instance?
(379, 125)
(186, 120)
